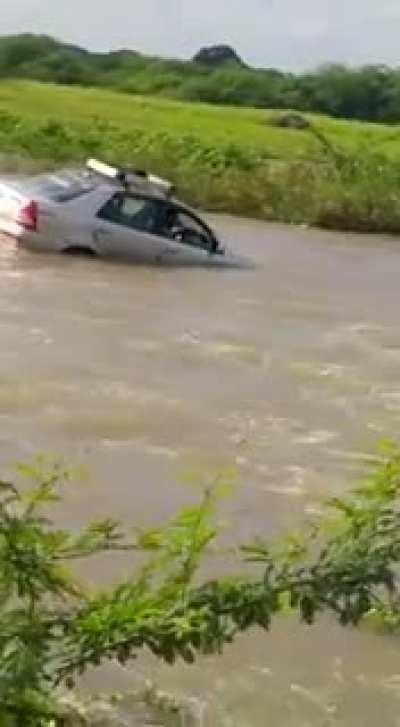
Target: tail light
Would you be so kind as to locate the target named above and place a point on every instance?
(27, 215)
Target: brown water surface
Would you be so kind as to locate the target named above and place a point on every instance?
(290, 371)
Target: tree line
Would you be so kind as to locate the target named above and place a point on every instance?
(369, 93)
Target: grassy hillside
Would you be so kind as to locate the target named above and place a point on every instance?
(212, 124)
(336, 173)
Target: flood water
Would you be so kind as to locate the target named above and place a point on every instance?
(289, 371)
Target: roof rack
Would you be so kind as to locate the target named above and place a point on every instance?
(131, 178)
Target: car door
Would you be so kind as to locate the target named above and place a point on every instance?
(127, 225)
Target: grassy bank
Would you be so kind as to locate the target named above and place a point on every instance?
(222, 159)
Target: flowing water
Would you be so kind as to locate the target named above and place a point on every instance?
(288, 370)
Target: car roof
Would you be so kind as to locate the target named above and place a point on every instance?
(63, 186)
(68, 185)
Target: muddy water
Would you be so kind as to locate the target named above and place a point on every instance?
(290, 371)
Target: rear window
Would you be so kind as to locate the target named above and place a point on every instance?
(61, 186)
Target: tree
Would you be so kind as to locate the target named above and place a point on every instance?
(23, 49)
(51, 630)
(216, 75)
(217, 55)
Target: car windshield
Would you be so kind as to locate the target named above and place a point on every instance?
(60, 187)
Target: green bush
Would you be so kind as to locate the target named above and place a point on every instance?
(51, 629)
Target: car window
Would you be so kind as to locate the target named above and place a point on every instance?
(188, 222)
(136, 212)
(189, 228)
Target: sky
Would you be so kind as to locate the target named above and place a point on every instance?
(288, 34)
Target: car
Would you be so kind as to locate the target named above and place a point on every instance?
(105, 211)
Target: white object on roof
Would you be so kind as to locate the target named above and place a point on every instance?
(101, 168)
(130, 177)
(162, 184)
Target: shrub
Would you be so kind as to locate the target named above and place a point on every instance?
(289, 120)
(51, 630)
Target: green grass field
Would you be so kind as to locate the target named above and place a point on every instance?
(213, 124)
(221, 158)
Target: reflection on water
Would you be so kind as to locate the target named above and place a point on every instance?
(289, 371)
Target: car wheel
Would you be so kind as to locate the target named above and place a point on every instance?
(79, 251)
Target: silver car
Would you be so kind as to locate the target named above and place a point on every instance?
(104, 211)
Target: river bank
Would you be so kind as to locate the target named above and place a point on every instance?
(222, 160)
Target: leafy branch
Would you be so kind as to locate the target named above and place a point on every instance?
(51, 629)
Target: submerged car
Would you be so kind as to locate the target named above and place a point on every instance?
(105, 211)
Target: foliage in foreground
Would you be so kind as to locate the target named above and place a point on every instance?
(52, 629)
